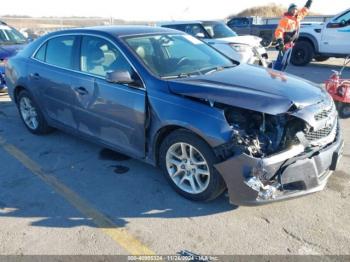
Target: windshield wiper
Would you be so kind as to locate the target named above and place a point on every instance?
(183, 75)
(215, 69)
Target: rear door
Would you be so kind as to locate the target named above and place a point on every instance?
(112, 113)
(50, 74)
(336, 35)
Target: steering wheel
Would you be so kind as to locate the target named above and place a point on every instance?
(183, 60)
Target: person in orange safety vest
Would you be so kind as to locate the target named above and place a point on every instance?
(287, 31)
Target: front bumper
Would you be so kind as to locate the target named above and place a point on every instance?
(290, 174)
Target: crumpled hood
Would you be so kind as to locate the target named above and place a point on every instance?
(7, 51)
(253, 88)
(246, 40)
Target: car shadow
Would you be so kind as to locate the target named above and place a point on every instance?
(140, 191)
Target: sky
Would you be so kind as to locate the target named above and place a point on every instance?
(153, 10)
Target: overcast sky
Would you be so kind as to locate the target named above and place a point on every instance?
(152, 9)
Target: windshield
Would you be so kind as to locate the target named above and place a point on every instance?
(218, 30)
(10, 35)
(177, 55)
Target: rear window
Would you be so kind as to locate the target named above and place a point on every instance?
(239, 22)
(191, 29)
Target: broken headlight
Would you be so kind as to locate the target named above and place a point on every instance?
(259, 135)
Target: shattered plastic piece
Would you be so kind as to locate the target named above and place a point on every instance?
(259, 171)
(265, 192)
(269, 192)
(254, 183)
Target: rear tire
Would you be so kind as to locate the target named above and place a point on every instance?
(31, 114)
(195, 178)
(303, 52)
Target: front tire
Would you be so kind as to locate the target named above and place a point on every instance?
(31, 114)
(303, 52)
(188, 164)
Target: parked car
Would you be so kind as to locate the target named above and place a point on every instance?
(321, 41)
(253, 25)
(245, 49)
(168, 99)
(10, 42)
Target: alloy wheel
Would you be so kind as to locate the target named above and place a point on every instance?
(188, 168)
(28, 113)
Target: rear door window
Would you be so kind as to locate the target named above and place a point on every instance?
(41, 53)
(59, 51)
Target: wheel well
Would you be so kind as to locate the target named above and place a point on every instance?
(16, 92)
(161, 134)
(164, 132)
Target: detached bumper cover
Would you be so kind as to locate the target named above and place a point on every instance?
(290, 174)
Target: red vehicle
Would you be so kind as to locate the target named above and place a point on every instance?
(339, 89)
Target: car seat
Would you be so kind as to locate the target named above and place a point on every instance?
(94, 62)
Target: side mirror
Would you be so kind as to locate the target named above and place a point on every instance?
(120, 77)
(200, 35)
(333, 25)
(340, 24)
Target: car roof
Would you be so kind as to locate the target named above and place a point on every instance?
(119, 31)
(178, 23)
(212, 21)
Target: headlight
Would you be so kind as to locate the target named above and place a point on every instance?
(240, 48)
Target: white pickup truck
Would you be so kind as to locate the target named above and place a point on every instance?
(321, 41)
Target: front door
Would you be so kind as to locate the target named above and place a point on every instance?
(336, 35)
(113, 113)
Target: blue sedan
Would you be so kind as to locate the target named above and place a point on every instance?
(168, 99)
(11, 41)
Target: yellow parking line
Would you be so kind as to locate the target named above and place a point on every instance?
(119, 235)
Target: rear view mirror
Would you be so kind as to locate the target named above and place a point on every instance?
(120, 77)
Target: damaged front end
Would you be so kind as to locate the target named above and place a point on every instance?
(274, 157)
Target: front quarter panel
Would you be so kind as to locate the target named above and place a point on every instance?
(168, 109)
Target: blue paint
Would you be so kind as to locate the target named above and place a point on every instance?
(344, 30)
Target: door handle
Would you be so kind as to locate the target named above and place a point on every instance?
(35, 76)
(81, 90)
